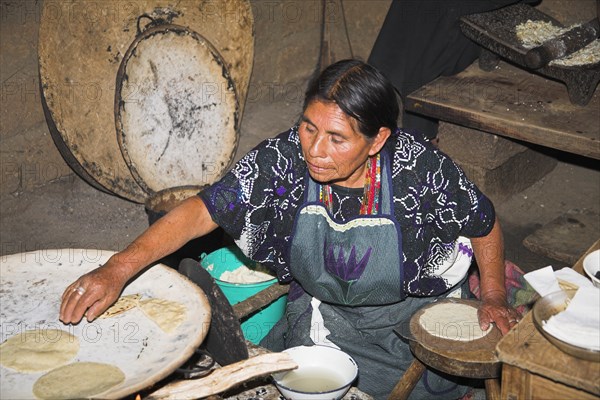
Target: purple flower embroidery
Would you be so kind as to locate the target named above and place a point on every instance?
(465, 249)
(347, 271)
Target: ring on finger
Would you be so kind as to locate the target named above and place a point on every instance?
(80, 290)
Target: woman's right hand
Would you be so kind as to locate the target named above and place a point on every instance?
(92, 293)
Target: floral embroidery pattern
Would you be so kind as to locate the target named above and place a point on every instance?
(346, 271)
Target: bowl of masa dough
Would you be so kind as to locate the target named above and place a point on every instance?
(240, 278)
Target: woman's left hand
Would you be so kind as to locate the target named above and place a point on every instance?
(497, 311)
(489, 253)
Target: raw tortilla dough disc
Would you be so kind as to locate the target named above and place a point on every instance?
(168, 315)
(38, 350)
(124, 303)
(453, 321)
(78, 380)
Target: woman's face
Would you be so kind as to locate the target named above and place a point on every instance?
(334, 150)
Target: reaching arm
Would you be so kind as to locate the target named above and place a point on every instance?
(100, 288)
(489, 253)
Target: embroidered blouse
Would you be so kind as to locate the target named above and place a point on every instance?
(434, 202)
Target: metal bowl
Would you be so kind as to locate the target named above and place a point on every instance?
(323, 373)
(550, 305)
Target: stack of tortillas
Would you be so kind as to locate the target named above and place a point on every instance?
(453, 321)
(446, 333)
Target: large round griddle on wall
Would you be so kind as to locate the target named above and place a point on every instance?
(176, 109)
(81, 46)
(32, 285)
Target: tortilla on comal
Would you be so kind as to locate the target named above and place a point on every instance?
(38, 350)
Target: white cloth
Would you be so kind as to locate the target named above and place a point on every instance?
(579, 323)
(318, 330)
(545, 280)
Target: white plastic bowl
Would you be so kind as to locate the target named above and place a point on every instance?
(591, 265)
(323, 373)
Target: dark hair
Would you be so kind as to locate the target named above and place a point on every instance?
(361, 91)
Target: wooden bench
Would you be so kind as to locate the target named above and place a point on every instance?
(513, 103)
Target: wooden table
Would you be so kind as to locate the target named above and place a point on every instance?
(533, 368)
(514, 103)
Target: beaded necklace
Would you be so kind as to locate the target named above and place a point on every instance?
(370, 201)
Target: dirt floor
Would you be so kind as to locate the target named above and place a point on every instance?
(68, 212)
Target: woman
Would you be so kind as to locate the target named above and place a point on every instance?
(363, 220)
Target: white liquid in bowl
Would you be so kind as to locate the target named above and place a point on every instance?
(313, 380)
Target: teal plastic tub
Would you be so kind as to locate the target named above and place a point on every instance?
(228, 259)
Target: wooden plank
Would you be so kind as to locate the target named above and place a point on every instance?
(221, 379)
(518, 384)
(543, 389)
(475, 364)
(514, 103)
(260, 300)
(515, 383)
(492, 389)
(566, 237)
(526, 348)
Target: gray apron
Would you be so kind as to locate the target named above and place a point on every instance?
(348, 294)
